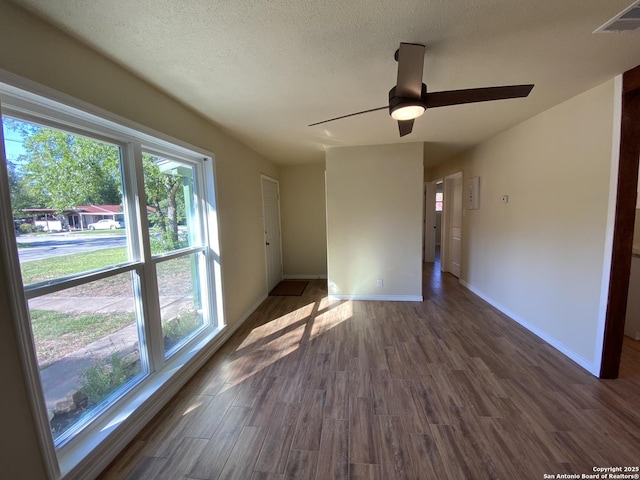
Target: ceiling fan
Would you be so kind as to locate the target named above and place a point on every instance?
(409, 98)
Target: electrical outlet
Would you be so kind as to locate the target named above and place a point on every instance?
(380, 282)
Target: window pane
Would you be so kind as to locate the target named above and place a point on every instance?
(179, 287)
(87, 345)
(66, 198)
(439, 198)
(171, 197)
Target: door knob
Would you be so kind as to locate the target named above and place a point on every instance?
(267, 243)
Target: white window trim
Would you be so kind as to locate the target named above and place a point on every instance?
(98, 444)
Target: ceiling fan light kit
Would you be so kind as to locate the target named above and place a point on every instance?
(409, 99)
(407, 112)
(403, 108)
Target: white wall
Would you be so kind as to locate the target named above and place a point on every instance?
(40, 53)
(374, 221)
(540, 257)
(304, 225)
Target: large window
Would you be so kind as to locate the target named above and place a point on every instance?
(114, 251)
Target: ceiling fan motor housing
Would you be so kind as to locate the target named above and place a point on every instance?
(396, 103)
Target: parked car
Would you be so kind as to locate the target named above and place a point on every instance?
(104, 224)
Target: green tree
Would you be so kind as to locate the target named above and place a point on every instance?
(65, 170)
(61, 171)
(19, 191)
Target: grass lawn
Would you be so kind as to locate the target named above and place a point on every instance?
(116, 231)
(173, 275)
(57, 334)
(56, 267)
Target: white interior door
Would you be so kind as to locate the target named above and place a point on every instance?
(430, 221)
(272, 241)
(452, 224)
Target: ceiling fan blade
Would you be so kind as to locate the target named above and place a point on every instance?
(472, 95)
(405, 127)
(386, 107)
(410, 65)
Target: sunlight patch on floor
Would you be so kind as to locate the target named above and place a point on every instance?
(192, 407)
(282, 322)
(280, 337)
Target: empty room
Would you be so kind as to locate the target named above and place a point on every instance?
(319, 240)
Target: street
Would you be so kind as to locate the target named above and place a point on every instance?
(58, 244)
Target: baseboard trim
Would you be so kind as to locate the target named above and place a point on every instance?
(588, 366)
(382, 298)
(308, 276)
(100, 458)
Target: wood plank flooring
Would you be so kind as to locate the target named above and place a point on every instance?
(448, 388)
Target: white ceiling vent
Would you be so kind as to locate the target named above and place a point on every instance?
(626, 21)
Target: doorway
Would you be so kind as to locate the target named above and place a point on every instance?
(432, 221)
(623, 228)
(429, 223)
(272, 239)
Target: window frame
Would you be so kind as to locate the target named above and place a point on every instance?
(117, 423)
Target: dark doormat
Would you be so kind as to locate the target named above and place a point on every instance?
(289, 288)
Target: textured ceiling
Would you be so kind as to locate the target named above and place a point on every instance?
(264, 69)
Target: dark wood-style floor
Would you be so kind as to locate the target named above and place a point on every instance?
(448, 388)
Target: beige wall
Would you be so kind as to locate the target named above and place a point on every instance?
(303, 217)
(540, 256)
(374, 220)
(42, 54)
